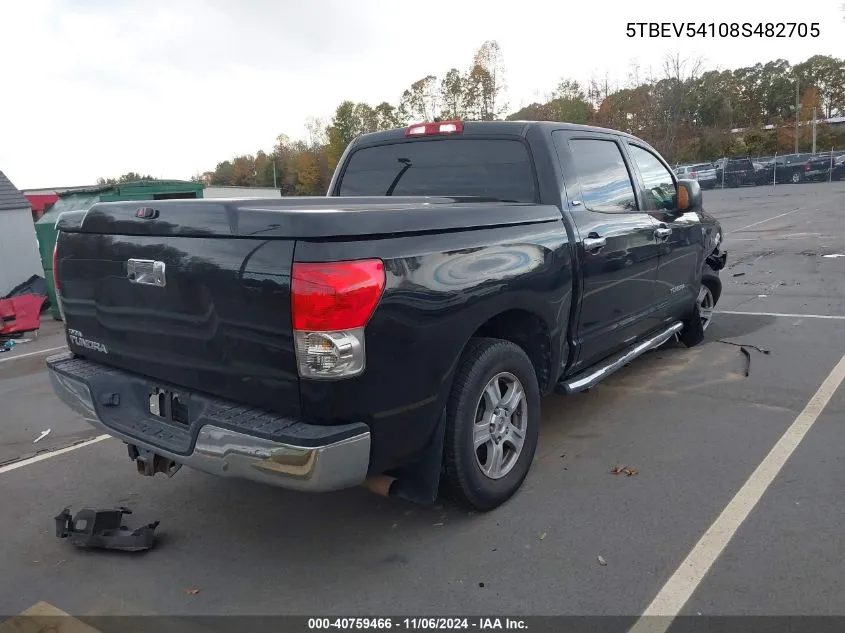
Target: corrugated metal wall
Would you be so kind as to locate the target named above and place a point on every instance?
(19, 259)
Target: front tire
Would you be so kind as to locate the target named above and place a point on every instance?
(492, 424)
(706, 305)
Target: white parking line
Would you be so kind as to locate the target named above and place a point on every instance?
(742, 228)
(41, 351)
(680, 587)
(833, 317)
(40, 458)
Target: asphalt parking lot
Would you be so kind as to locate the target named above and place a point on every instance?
(690, 421)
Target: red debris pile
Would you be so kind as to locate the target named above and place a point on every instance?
(20, 314)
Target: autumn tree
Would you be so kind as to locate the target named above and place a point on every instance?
(420, 102)
(568, 102)
(827, 75)
(684, 112)
(125, 178)
(452, 89)
(350, 120)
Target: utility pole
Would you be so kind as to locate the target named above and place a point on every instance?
(797, 113)
(814, 130)
(274, 175)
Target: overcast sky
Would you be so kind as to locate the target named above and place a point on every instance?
(92, 88)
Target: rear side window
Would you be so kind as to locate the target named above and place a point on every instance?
(703, 167)
(490, 168)
(605, 183)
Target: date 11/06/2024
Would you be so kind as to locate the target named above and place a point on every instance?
(722, 29)
(417, 624)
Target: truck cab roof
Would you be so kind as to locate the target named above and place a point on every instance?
(491, 128)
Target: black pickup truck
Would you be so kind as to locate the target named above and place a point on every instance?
(398, 333)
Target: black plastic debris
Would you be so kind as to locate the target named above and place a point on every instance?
(759, 349)
(35, 285)
(747, 355)
(104, 529)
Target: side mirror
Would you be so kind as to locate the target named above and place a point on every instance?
(689, 195)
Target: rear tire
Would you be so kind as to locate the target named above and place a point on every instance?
(483, 429)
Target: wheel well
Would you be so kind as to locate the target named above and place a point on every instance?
(529, 332)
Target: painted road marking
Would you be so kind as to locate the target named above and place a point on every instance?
(680, 587)
(742, 228)
(41, 351)
(43, 616)
(784, 314)
(40, 458)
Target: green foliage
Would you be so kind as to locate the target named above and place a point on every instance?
(127, 177)
(686, 114)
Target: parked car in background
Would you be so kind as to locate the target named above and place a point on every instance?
(838, 172)
(763, 172)
(792, 168)
(819, 168)
(704, 173)
(736, 173)
(400, 330)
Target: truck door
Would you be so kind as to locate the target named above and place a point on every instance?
(679, 235)
(617, 249)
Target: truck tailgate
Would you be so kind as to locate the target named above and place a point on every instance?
(201, 313)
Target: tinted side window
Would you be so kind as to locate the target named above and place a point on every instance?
(492, 168)
(657, 179)
(605, 183)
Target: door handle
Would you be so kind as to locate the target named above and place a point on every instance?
(662, 232)
(594, 242)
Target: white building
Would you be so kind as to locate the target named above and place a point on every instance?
(19, 258)
(213, 191)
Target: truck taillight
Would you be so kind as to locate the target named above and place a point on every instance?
(428, 129)
(56, 284)
(55, 268)
(331, 302)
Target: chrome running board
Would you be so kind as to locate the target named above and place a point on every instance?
(594, 375)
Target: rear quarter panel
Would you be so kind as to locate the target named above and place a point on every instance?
(440, 289)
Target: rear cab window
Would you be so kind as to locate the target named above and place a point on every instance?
(604, 180)
(496, 168)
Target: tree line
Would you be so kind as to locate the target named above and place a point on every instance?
(687, 113)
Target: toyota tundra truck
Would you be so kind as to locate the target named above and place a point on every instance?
(398, 333)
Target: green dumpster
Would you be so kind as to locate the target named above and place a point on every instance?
(80, 199)
(153, 190)
(45, 231)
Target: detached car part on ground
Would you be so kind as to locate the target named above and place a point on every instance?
(398, 333)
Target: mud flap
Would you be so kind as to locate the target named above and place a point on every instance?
(693, 332)
(419, 482)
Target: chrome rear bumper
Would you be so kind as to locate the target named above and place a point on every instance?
(231, 453)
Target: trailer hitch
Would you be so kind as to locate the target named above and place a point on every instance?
(104, 529)
(149, 463)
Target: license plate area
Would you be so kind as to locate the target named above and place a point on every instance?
(169, 405)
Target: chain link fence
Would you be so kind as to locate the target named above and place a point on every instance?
(779, 169)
